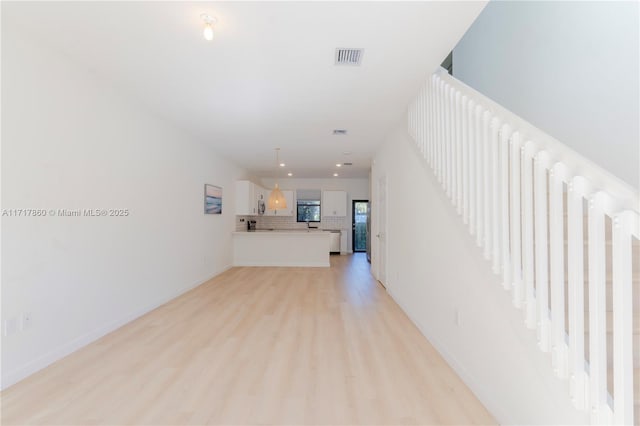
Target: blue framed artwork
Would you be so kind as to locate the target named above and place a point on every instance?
(212, 199)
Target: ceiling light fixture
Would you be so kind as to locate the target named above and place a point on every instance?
(208, 26)
(335, 175)
(282, 164)
(276, 198)
(338, 165)
(289, 174)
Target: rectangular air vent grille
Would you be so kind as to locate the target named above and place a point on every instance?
(349, 56)
(347, 164)
(340, 132)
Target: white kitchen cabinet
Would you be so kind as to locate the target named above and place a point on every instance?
(246, 198)
(334, 203)
(289, 211)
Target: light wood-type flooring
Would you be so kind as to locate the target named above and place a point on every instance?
(256, 346)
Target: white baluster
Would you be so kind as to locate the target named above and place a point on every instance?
(454, 148)
(578, 187)
(459, 116)
(624, 224)
(597, 307)
(557, 175)
(526, 157)
(488, 195)
(464, 151)
(441, 132)
(425, 116)
(480, 166)
(540, 193)
(515, 214)
(449, 142)
(497, 135)
(472, 165)
(504, 213)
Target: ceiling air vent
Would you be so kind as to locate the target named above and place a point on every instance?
(349, 56)
(340, 131)
(347, 164)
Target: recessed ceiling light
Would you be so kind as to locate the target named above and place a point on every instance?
(282, 164)
(346, 152)
(289, 174)
(335, 175)
(338, 165)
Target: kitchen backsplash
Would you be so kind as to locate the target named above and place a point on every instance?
(289, 222)
(241, 223)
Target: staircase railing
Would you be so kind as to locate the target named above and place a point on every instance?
(519, 190)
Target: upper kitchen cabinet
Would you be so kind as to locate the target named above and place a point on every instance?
(334, 203)
(289, 211)
(247, 198)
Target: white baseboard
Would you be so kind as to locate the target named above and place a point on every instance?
(485, 397)
(284, 264)
(12, 377)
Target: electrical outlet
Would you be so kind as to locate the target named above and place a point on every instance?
(26, 320)
(10, 326)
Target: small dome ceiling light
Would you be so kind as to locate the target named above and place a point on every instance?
(289, 174)
(209, 21)
(338, 165)
(335, 175)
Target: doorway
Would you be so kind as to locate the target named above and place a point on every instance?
(381, 210)
(359, 229)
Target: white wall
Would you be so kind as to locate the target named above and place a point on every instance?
(569, 68)
(357, 189)
(434, 269)
(71, 141)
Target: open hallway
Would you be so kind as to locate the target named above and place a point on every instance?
(257, 346)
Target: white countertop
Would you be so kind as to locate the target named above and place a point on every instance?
(284, 232)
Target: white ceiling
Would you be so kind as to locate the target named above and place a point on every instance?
(268, 78)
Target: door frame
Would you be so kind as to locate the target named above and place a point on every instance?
(353, 224)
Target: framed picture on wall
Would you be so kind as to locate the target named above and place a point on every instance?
(212, 199)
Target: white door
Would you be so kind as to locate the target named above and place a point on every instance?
(382, 230)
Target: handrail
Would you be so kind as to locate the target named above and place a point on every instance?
(577, 163)
(518, 189)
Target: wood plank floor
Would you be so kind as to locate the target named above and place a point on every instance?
(256, 346)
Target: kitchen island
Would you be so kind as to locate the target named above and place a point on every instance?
(281, 248)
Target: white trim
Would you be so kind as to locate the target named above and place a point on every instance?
(284, 264)
(31, 367)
